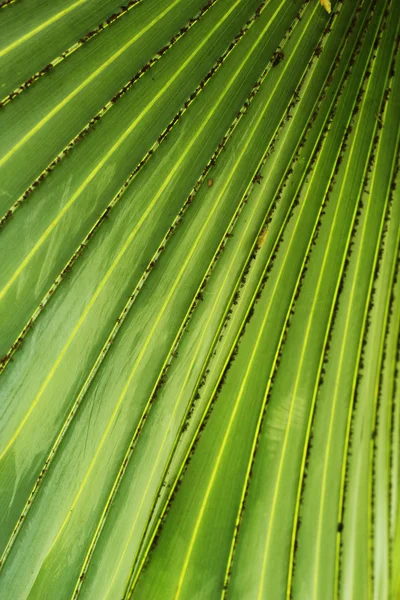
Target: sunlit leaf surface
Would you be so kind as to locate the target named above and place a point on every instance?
(199, 300)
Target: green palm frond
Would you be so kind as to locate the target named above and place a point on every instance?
(199, 299)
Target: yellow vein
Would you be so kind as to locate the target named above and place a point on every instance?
(380, 360)
(188, 373)
(68, 52)
(6, 3)
(304, 455)
(140, 356)
(374, 422)
(113, 266)
(273, 366)
(391, 428)
(98, 360)
(40, 28)
(260, 418)
(296, 385)
(95, 226)
(198, 428)
(180, 275)
(207, 323)
(351, 407)
(106, 278)
(309, 426)
(241, 390)
(217, 462)
(358, 359)
(350, 411)
(302, 357)
(86, 82)
(308, 330)
(110, 152)
(226, 363)
(231, 420)
(322, 493)
(217, 333)
(230, 559)
(301, 363)
(226, 90)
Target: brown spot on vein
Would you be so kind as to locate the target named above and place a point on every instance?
(262, 237)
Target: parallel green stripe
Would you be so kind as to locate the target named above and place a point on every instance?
(182, 389)
(374, 424)
(169, 296)
(213, 476)
(359, 354)
(105, 347)
(40, 28)
(188, 372)
(171, 420)
(89, 126)
(334, 401)
(377, 400)
(351, 407)
(129, 239)
(128, 131)
(299, 369)
(316, 572)
(6, 358)
(232, 418)
(137, 361)
(146, 343)
(276, 356)
(66, 53)
(81, 86)
(226, 580)
(392, 447)
(259, 424)
(159, 521)
(342, 198)
(208, 492)
(66, 528)
(216, 336)
(310, 422)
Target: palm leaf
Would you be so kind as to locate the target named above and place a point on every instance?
(199, 299)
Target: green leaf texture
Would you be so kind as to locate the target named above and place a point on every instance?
(199, 300)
